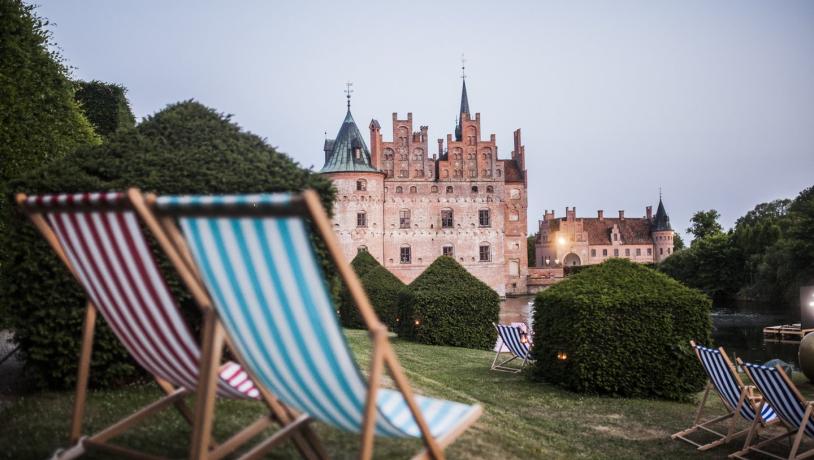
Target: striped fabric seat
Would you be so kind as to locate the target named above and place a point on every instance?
(720, 375)
(106, 247)
(781, 396)
(271, 296)
(515, 340)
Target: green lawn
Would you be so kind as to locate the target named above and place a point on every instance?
(522, 419)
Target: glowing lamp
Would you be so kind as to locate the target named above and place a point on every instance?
(417, 322)
(561, 240)
(562, 356)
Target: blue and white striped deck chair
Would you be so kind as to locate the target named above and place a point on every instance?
(256, 259)
(516, 341)
(780, 394)
(740, 401)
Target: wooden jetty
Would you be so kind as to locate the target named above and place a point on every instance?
(785, 333)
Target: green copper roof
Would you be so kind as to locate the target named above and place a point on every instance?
(662, 220)
(464, 110)
(348, 152)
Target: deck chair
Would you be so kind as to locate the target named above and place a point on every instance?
(517, 342)
(255, 256)
(100, 240)
(795, 413)
(740, 401)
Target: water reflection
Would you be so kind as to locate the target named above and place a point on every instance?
(737, 326)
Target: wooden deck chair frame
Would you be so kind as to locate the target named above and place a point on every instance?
(798, 433)
(501, 366)
(383, 357)
(748, 395)
(206, 448)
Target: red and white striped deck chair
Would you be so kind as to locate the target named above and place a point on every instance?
(100, 239)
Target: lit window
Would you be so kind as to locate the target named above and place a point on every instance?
(404, 218)
(448, 251)
(483, 217)
(484, 253)
(446, 218)
(361, 219)
(404, 255)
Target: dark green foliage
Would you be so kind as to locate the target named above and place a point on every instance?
(530, 241)
(625, 330)
(712, 264)
(382, 288)
(105, 106)
(451, 307)
(185, 148)
(678, 242)
(704, 224)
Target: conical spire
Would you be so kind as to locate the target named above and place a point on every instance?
(662, 221)
(348, 152)
(464, 100)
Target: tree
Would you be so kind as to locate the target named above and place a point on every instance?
(532, 239)
(705, 223)
(678, 243)
(106, 106)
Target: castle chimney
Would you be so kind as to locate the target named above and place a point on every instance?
(571, 214)
(440, 148)
(649, 210)
(621, 214)
(600, 215)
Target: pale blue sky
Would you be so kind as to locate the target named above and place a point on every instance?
(711, 100)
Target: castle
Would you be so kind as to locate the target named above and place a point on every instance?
(406, 208)
(571, 241)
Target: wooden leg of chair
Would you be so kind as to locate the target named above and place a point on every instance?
(800, 432)
(82, 374)
(376, 367)
(212, 348)
(703, 404)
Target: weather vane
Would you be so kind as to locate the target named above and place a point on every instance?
(348, 91)
(659, 193)
(463, 66)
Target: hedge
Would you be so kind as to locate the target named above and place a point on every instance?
(446, 305)
(105, 106)
(382, 288)
(185, 148)
(624, 330)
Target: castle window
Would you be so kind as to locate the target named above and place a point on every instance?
(434, 189)
(361, 219)
(514, 193)
(615, 253)
(593, 252)
(490, 189)
(361, 185)
(447, 250)
(627, 252)
(661, 251)
(638, 251)
(483, 217)
(615, 237)
(404, 255)
(449, 189)
(404, 218)
(484, 252)
(403, 173)
(473, 173)
(514, 216)
(474, 189)
(419, 173)
(446, 218)
(668, 250)
(499, 173)
(399, 189)
(649, 251)
(413, 189)
(388, 154)
(604, 253)
(362, 248)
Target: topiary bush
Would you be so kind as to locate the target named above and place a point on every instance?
(446, 305)
(185, 148)
(106, 106)
(382, 288)
(624, 330)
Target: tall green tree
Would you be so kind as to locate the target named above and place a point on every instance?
(106, 106)
(678, 243)
(530, 248)
(704, 224)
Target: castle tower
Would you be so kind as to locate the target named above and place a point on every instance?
(662, 234)
(358, 212)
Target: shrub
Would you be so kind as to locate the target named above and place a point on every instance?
(446, 305)
(185, 148)
(625, 330)
(105, 106)
(382, 288)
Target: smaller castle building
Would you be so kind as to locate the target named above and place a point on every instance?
(572, 241)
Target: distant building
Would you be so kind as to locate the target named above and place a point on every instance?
(572, 240)
(406, 207)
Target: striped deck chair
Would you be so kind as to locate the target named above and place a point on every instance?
(256, 259)
(740, 401)
(795, 413)
(99, 238)
(518, 345)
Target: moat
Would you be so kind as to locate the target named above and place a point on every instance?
(737, 326)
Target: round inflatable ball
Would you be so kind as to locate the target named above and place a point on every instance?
(806, 356)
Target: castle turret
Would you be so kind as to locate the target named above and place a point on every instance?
(662, 234)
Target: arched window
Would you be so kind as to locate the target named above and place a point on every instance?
(404, 254)
(490, 189)
(474, 189)
(449, 189)
(484, 252)
(448, 250)
(434, 189)
(399, 189)
(361, 185)
(413, 189)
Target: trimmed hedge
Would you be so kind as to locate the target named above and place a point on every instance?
(363, 263)
(625, 330)
(106, 106)
(185, 148)
(382, 288)
(446, 305)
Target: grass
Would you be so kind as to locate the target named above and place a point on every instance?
(522, 418)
